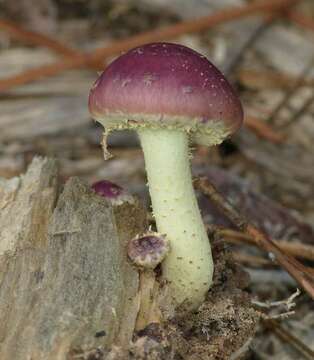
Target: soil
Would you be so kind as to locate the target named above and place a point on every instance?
(221, 329)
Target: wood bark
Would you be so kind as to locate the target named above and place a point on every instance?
(66, 287)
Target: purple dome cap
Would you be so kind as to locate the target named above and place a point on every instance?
(112, 192)
(107, 189)
(166, 85)
(148, 250)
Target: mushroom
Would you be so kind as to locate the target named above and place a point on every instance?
(147, 251)
(171, 95)
(114, 193)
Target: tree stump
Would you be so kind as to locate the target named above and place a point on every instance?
(67, 290)
(66, 287)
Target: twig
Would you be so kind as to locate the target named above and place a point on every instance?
(293, 248)
(35, 38)
(290, 93)
(263, 130)
(281, 316)
(300, 112)
(303, 276)
(266, 78)
(251, 260)
(287, 303)
(169, 32)
(232, 64)
(286, 336)
(301, 20)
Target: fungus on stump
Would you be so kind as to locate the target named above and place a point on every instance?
(171, 95)
(146, 251)
(114, 193)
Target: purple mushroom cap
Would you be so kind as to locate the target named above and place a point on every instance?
(112, 192)
(107, 189)
(165, 84)
(148, 250)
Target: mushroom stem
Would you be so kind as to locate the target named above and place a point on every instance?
(189, 266)
(148, 311)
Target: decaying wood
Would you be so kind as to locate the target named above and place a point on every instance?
(68, 292)
(66, 287)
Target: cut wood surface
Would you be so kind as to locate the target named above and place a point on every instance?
(66, 287)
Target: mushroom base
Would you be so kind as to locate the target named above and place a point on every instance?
(222, 328)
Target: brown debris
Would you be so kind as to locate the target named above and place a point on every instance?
(185, 27)
(304, 276)
(263, 130)
(35, 38)
(223, 326)
(293, 248)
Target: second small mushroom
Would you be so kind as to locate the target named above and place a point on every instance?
(114, 193)
(171, 95)
(147, 251)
